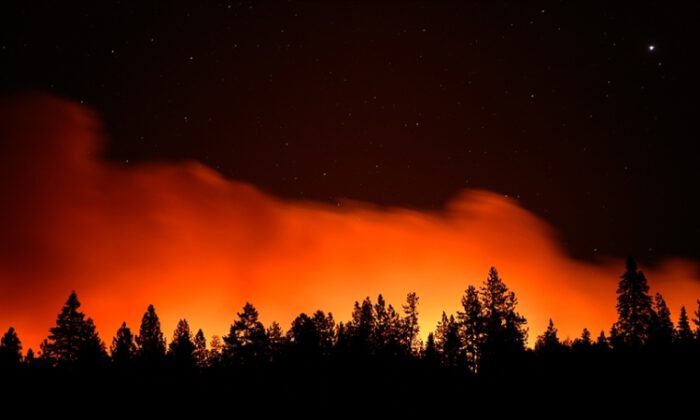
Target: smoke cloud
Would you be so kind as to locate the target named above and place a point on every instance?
(198, 246)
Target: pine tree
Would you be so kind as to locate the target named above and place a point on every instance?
(181, 347)
(661, 335)
(602, 343)
(246, 342)
(634, 308)
(411, 328)
(505, 328)
(430, 354)
(30, 359)
(304, 339)
(447, 341)
(123, 348)
(549, 341)
(696, 321)
(74, 339)
(684, 335)
(151, 344)
(472, 327)
(277, 341)
(201, 355)
(584, 342)
(387, 331)
(325, 326)
(10, 350)
(216, 348)
(360, 329)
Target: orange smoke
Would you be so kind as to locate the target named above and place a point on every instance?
(196, 245)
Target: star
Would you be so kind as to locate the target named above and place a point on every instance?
(651, 47)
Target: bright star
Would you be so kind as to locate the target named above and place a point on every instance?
(652, 47)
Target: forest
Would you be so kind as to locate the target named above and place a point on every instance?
(377, 357)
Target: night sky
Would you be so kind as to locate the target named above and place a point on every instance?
(584, 113)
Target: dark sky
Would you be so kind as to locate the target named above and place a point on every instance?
(586, 113)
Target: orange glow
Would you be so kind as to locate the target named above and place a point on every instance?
(196, 245)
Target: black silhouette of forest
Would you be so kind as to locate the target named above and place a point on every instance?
(376, 359)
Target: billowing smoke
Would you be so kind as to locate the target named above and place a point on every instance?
(196, 245)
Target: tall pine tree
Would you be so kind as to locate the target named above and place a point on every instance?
(246, 343)
(181, 347)
(634, 307)
(201, 354)
(684, 335)
(505, 332)
(548, 342)
(10, 350)
(74, 339)
(411, 328)
(472, 327)
(151, 344)
(661, 336)
(123, 348)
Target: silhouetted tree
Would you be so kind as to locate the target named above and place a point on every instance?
(276, 340)
(304, 339)
(74, 339)
(410, 323)
(246, 342)
(549, 341)
(472, 327)
(151, 344)
(602, 343)
(505, 328)
(635, 313)
(123, 347)
(447, 341)
(10, 350)
(387, 336)
(430, 354)
(216, 348)
(30, 358)
(360, 329)
(325, 326)
(684, 335)
(200, 354)
(584, 342)
(661, 334)
(181, 347)
(696, 321)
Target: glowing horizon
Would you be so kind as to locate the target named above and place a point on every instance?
(198, 246)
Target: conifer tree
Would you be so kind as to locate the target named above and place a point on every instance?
(584, 342)
(360, 329)
(246, 342)
(684, 335)
(151, 344)
(10, 350)
(201, 354)
(181, 347)
(549, 341)
(472, 327)
(505, 332)
(661, 335)
(74, 339)
(123, 347)
(276, 340)
(634, 308)
(410, 323)
(325, 326)
(447, 341)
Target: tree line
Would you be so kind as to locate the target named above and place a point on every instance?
(486, 337)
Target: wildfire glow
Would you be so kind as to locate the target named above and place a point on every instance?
(198, 246)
